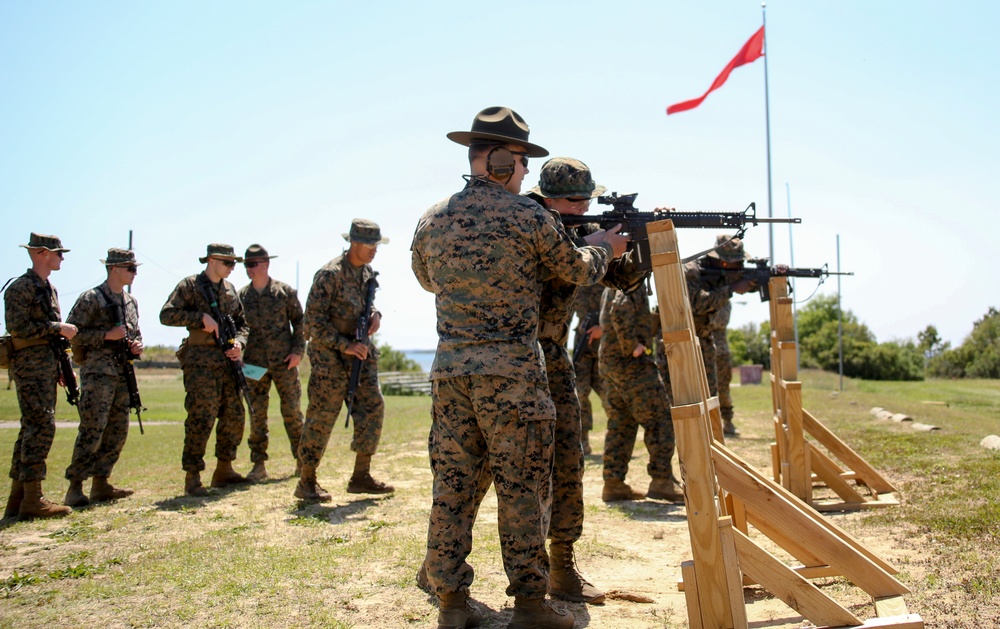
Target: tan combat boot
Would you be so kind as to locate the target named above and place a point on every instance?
(225, 475)
(308, 488)
(454, 612)
(729, 429)
(193, 486)
(537, 613)
(102, 491)
(75, 496)
(14, 499)
(665, 489)
(258, 474)
(585, 440)
(617, 490)
(362, 482)
(565, 581)
(35, 505)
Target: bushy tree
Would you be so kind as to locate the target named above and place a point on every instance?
(750, 344)
(977, 357)
(390, 359)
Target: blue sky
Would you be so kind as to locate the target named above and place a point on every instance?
(277, 123)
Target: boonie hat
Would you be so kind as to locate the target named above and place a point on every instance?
(223, 252)
(120, 257)
(366, 232)
(728, 250)
(256, 252)
(44, 241)
(498, 124)
(565, 177)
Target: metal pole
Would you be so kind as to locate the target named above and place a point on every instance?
(791, 261)
(767, 115)
(840, 321)
(130, 249)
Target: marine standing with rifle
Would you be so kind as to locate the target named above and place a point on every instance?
(107, 320)
(208, 306)
(338, 299)
(587, 309)
(34, 322)
(710, 294)
(277, 343)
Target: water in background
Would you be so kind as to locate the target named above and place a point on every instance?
(423, 357)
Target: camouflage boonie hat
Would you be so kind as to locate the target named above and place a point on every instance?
(728, 250)
(120, 257)
(565, 177)
(366, 232)
(44, 241)
(223, 252)
(256, 253)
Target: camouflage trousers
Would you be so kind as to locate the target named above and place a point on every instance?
(637, 397)
(286, 381)
(481, 424)
(567, 473)
(724, 372)
(711, 361)
(34, 371)
(588, 378)
(210, 393)
(327, 392)
(104, 415)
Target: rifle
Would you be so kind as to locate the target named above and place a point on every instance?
(61, 348)
(124, 357)
(360, 336)
(582, 339)
(761, 274)
(225, 340)
(634, 222)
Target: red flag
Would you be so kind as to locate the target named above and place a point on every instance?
(751, 51)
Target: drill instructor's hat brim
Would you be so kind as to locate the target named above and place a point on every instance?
(498, 124)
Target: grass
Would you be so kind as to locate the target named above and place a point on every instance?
(256, 557)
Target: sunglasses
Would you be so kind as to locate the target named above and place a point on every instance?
(579, 199)
(131, 268)
(524, 157)
(229, 263)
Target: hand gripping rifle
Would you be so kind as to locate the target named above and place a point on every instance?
(360, 336)
(582, 339)
(61, 348)
(124, 357)
(634, 222)
(760, 274)
(225, 340)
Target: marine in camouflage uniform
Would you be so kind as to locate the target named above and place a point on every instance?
(588, 376)
(710, 294)
(277, 342)
(636, 397)
(724, 364)
(210, 389)
(34, 321)
(336, 301)
(106, 317)
(484, 253)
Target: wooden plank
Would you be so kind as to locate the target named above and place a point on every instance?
(800, 482)
(689, 384)
(829, 473)
(678, 336)
(890, 606)
(791, 588)
(691, 594)
(733, 575)
(806, 572)
(795, 546)
(909, 621)
(663, 259)
(764, 499)
(849, 457)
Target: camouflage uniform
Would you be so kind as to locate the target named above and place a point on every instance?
(636, 393)
(104, 400)
(588, 378)
(210, 390)
(723, 359)
(32, 315)
(336, 300)
(276, 330)
(708, 294)
(482, 253)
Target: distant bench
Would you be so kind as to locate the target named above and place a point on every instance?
(405, 383)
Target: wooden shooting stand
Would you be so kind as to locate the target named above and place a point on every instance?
(724, 494)
(798, 464)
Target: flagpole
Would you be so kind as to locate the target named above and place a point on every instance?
(767, 115)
